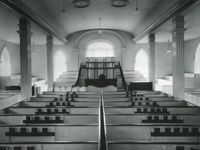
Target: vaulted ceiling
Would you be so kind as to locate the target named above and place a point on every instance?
(78, 19)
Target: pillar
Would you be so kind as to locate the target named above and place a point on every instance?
(178, 56)
(25, 57)
(152, 70)
(50, 65)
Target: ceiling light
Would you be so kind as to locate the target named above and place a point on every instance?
(119, 3)
(81, 3)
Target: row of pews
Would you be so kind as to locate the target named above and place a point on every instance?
(151, 121)
(142, 120)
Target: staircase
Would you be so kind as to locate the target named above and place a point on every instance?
(134, 76)
(121, 83)
(118, 73)
(82, 75)
(67, 78)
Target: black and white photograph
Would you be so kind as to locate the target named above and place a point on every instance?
(99, 74)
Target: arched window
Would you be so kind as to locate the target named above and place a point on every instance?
(5, 65)
(141, 63)
(197, 61)
(59, 64)
(100, 49)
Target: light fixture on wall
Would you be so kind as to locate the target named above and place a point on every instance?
(81, 3)
(100, 28)
(168, 47)
(119, 3)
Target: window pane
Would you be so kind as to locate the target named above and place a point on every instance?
(141, 63)
(197, 60)
(100, 49)
(59, 64)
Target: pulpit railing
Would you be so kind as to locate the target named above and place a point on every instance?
(96, 68)
(122, 75)
(79, 74)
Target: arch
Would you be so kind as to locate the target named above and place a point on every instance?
(142, 63)
(88, 33)
(59, 64)
(5, 64)
(89, 36)
(100, 48)
(197, 60)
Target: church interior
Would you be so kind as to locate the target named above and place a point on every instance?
(99, 75)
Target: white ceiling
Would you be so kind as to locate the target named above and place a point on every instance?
(192, 25)
(77, 19)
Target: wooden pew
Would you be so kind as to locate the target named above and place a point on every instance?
(54, 111)
(45, 133)
(50, 146)
(144, 145)
(69, 119)
(153, 133)
(153, 110)
(129, 119)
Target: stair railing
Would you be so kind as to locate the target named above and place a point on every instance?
(102, 145)
(122, 75)
(79, 75)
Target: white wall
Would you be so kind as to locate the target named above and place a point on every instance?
(163, 60)
(39, 61)
(13, 50)
(190, 50)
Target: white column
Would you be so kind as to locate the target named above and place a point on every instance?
(178, 56)
(25, 57)
(152, 70)
(50, 65)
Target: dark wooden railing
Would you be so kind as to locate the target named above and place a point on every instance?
(94, 69)
(122, 75)
(79, 75)
(102, 127)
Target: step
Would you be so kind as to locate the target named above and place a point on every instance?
(70, 73)
(164, 82)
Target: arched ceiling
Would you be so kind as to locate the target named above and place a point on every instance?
(77, 19)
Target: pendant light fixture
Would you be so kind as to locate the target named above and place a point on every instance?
(136, 5)
(168, 47)
(63, 6)
(100, 28)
